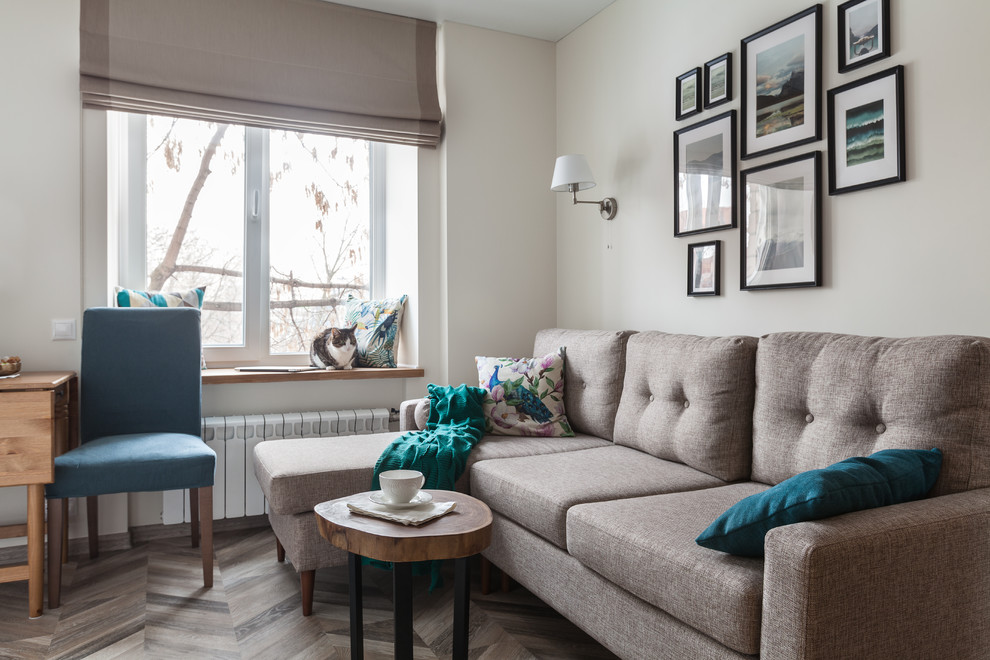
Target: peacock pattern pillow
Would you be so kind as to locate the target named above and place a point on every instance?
(377, 331)
(131, 298)
(524, 396)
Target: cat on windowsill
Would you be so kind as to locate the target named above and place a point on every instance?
(334, 348)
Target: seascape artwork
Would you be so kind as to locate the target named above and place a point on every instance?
(780, 87)
(864, 31)
(864, 133)
(689, 94)
(717, 86)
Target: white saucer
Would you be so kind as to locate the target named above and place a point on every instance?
(422, 497)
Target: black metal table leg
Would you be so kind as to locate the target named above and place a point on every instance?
(462, 602)
(357, 615)
(402, 596)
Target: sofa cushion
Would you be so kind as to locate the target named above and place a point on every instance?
(646, 546)
(890, 476)
(507, 446)
(690, 399)
(821, 398)
(537, 491)
(595, 361)
(299, 473)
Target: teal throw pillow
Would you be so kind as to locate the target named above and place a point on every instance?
(887, 477)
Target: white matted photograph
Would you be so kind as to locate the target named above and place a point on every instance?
(704, 269)
(866, 132)
(781, 238)
(781, 84)
(705, 175)
(863, 29)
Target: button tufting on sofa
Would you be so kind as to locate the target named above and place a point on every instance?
(687, 404)
(809, 418)
(881, 428)
(651, 397)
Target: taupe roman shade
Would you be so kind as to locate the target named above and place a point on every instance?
(303, 65)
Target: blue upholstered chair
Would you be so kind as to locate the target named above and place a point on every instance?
(139, 415)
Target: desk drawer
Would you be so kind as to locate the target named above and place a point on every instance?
(26, 438)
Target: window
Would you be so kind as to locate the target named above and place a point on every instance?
(279, 226)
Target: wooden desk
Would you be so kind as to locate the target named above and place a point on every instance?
(38, 421)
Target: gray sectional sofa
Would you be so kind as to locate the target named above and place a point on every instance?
(672, 430)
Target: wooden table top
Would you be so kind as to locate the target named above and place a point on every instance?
(36, 380)
(465, 531)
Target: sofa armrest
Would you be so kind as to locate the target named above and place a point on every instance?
(904, 581)
(413, 414)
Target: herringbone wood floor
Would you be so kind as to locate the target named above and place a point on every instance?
(149, 602)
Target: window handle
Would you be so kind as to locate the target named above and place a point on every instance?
(256, 204)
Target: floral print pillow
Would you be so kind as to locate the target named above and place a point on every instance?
(525, 396)
(377, 330)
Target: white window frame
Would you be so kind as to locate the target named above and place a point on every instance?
(127, 143)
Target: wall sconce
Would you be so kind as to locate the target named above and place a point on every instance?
(571, 174)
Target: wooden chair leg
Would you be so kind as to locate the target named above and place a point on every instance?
(307, 583)
(93, 523)
(279, 551)
(65, 538)
(194, 516)
(57, 510)
(206, 525)
(505, 582)
(486, 576)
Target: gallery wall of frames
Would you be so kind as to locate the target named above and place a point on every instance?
(777, 204)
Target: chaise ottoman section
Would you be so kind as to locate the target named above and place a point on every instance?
(646, 546)
(299, 473)
(537, 491)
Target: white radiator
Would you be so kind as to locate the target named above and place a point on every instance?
(236, 492)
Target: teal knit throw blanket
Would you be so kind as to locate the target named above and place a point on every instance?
(455, 425)
(440, 452)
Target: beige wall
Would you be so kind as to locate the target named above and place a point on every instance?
(474, 281)
(903, 259)
(39, 190)
(497, 160)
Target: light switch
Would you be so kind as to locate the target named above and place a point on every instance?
(63, 329)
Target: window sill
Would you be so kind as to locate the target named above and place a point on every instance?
(228, 376)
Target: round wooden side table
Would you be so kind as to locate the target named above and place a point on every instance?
(459, 535)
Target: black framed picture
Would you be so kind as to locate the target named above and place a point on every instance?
(866, 132)
(704, 270)
(781, 84)
(781, 237)
(705, 175)
(718, 80)
(689, 93)
(863, 30)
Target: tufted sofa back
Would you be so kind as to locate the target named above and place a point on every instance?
(594, 364)
(690, 399)
(821, 398)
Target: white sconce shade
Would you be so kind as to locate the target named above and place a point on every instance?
(570, 174)
(571, 170)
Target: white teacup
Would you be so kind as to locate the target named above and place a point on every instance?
(400, 486)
